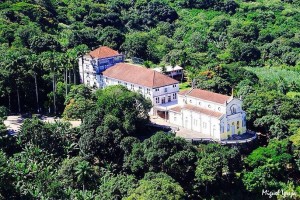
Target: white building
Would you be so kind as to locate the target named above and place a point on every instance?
(95, 62)
(160, 89)
(171, 71)
(210, 114)
(215, 115)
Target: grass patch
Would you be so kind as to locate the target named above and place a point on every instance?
(184, 86)
(293, 94)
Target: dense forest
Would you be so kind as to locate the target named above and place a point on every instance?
(250, 48)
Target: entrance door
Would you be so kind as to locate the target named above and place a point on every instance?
(163, 100)
(232, 129)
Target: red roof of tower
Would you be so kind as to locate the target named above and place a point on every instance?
(103, 52)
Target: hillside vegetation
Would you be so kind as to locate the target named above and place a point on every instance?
(250, 48)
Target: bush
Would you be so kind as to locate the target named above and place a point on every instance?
(3, 112)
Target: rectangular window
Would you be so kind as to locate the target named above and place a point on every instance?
(132, 86)
(140, 89)
(174, 96)
(169, 98)
(174, 119)
(148, 91)
(119, 82)
(204, 125)
(174, 86)
(166, 89)
(157, 100)
(156, 89)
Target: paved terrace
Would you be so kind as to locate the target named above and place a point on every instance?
(196, 136)
(14, 122)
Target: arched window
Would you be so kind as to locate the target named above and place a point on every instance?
(233, 110)
(238, 124)
(228, 127)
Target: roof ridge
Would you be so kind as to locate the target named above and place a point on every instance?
(216, 93)
(189, 91)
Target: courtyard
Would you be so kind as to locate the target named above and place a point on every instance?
(14, 122)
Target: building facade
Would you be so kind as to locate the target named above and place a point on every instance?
(213, 115)
(160, 89)
(171, 71)
(95, 62)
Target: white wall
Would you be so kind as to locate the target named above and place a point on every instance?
(175, 118)
(89, 75)
(165, 92)
(150, 93)
(198, 122)
(146, 92)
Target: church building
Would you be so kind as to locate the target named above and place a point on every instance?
(214, 115)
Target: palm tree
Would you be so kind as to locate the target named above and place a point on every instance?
(83, 172)
(33, 61)
(73, 55)
(50, 60)
(15, 71)
(63, 68)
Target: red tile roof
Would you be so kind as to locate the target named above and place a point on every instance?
(206, 95)
(138, 75)
(203, 111)
(198, 110)
(184, 92)
(103, 52)
(176, 109)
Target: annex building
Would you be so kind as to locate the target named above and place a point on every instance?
(215, 115)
